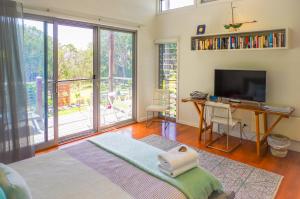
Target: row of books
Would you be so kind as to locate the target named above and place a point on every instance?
(271, 40)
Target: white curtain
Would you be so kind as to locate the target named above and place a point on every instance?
(16, 142)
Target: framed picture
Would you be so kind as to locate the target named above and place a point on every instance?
(201, 29)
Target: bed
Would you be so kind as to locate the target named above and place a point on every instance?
(89, 171)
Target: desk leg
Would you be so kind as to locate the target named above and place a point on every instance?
(200, 111)
(265, 122)
(270, 129)
(201, 121)
(257, 134)
(263, 142)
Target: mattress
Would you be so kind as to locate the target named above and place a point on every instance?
(85, 171)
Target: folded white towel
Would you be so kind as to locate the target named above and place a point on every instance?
(178, 171)
(174, 159)
(166, 167)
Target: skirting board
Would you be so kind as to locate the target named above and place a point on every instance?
(142, 119)
(187, 123)
(295, 145)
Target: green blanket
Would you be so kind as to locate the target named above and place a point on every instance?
(195, 184)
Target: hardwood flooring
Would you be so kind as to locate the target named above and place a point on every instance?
(288, 167)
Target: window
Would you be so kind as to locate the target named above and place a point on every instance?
(168, 73)
(173, 4)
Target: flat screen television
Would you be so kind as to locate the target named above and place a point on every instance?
(241, 85)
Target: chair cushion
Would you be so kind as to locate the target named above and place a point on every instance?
(13, 185)
(156, 108)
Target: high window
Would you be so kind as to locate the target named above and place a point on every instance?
(173, 4)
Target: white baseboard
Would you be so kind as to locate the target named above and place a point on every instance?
(142, 119)
(187, 123)
(251, 136)
(295, 145)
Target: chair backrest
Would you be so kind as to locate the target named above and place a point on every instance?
(218, 109)
(111, 96)
(161, 97)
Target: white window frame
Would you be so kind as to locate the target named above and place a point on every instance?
(160, 11)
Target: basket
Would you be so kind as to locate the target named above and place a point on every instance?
(279, 145)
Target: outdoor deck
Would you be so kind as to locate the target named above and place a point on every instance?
(79, 121)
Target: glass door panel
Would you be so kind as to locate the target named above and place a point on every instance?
(49, 90)
(38, 61)
(50, 111)
(116, 77)
(75, 80)
(75, 107)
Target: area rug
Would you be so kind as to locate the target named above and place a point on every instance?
(246, 181)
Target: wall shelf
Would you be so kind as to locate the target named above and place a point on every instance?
(274, 39)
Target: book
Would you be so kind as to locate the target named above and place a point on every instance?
(232, 45)
(271, 40)
(247, 42)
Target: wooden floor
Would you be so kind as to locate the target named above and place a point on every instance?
(289, 167)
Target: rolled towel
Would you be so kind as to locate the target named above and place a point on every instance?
(174, 159)
(178, 171)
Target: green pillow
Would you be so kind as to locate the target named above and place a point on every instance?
(13, 185)
(2, 194)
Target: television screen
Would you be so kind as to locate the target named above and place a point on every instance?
(241, 84)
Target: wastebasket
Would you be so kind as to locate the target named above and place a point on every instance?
(279, 145)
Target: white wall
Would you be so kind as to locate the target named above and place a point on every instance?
(197, 68)
(132, 11)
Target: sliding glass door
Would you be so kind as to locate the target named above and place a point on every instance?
(38, 62)
(80, 78)
(117, 77)
(74, 85)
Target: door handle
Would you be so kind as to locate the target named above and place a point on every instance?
(56, 87)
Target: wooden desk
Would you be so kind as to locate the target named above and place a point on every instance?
(200, 104)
